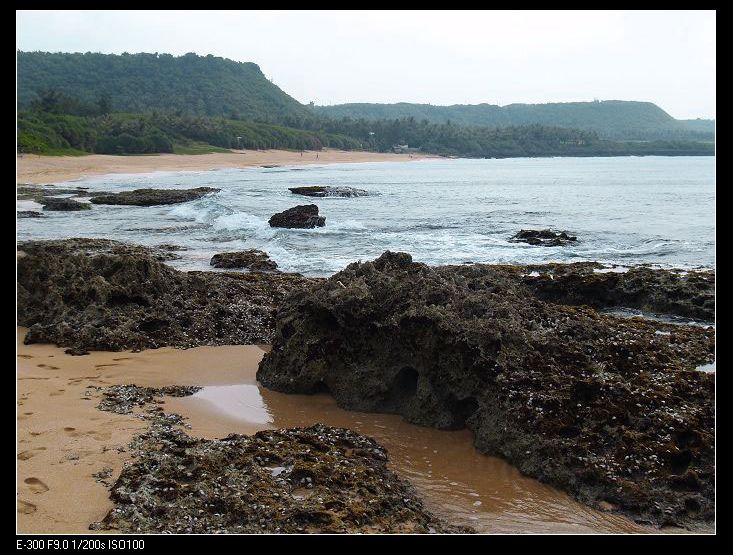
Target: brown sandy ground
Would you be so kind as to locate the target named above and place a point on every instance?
(33, 168)
(62, 439)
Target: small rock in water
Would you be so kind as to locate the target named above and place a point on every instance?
(328, 191)
(253, 260)
(63, 204)
(302, 217)
(152, 197)
(544, 237)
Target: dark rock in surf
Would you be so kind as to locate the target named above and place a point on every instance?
(152, 197)
(30, 214)
(544, 237)
(605, 408)
(253, 260)
(321, 191)
(301, 217)
(63, 204)
(95, 294)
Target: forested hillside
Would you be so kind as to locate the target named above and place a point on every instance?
(190, 84)
(611, 119)
(148, 103)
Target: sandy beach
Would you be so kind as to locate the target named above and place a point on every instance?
(62, 439)
(33, 168)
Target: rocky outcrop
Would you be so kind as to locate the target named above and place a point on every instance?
(152, 197)
(304, 216)
(94, 294)
(63, 204)
(300, 480)
(690, 294)
(328, 191)
(544, 237)
(253, 260)
(609, 409)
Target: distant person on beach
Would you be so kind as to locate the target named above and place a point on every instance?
(316, 156)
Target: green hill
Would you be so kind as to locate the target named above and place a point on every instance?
(191, 84)
(700, 125)
(611, 119)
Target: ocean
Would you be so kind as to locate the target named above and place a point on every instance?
(624, 211)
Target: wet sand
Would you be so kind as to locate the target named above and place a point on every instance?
(33, 168)
(63, 439)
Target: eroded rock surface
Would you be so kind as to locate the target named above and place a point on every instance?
(96, 294)
(609, 409)
(300, 480)
(253, 260)
(682, 293)
(328, 191)
(152, 197)
(303, 217)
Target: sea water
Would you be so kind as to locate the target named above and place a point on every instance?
(625, 210)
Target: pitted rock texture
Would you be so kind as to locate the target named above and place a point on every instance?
(96, 294)
(297, 480)
(609, 409)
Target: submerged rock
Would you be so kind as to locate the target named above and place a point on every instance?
(605, 408)
(328, 191)
(151, 197)
(36, 192)
(301, 480)
(253, 260)
(544, 237)
(30, 214)
(95, 294)
(123, 399)
(63, 204)
(304, 216)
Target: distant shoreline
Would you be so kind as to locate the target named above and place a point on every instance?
(34, 168)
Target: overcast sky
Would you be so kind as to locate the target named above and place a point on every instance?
(665, 57)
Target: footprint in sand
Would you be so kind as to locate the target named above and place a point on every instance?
(99, 436)
(71, 432)
(25, 455)
(25, 356)
(36, 485)
(103, 365)
(47, 366)
(26, 508)
(56, 393)
(123, 358)
(74, 381)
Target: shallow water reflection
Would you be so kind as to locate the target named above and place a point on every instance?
(456, 481)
